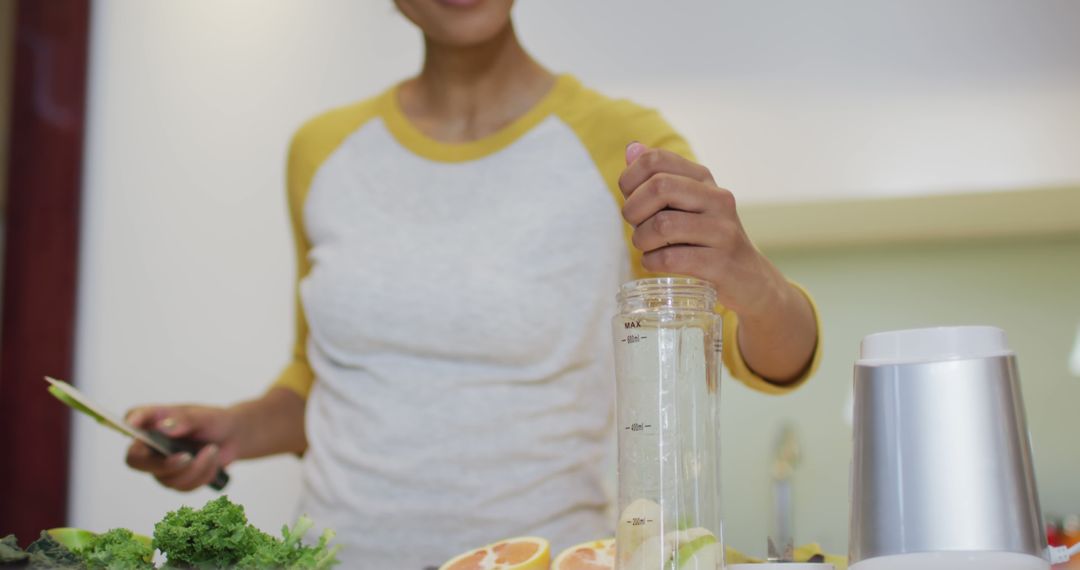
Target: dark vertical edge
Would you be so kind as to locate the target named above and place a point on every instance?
(41, 260)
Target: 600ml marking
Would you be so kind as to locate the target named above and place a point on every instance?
(632, 338)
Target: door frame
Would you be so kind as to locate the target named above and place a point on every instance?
(41, 251)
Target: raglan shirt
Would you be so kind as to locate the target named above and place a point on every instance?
(453, 314)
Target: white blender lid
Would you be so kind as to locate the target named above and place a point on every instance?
(933, 345)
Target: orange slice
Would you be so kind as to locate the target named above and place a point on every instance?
(595, 555)
(522, 553)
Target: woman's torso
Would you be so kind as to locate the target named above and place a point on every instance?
(458, 301)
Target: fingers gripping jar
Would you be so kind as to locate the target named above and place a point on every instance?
(667, 363)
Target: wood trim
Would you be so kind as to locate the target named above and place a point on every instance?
(1019, 214)
(40, 260)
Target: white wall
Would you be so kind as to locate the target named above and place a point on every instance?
(185, 286)
(794, 100)
(1026, 287)
(187, 263)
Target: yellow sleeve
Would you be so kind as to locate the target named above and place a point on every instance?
(312, 144)
(605, 126)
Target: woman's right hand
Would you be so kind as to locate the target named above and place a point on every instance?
(216, 427)
(270, 424)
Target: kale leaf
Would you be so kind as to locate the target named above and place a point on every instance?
(10, 553)
(219, 536)
(117, 549)
(47, 553)
(214, 537)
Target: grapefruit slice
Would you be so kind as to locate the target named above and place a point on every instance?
(595, 555)
(522, 553)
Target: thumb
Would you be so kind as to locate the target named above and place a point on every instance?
(173, 421)
(176, 423)
(202, 423)
(634, 150)
(149, 417)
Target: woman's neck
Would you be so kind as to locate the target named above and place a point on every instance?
(466, 93)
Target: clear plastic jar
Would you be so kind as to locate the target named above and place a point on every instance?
(667, 361)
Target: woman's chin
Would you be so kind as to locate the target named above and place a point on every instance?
(459, 3)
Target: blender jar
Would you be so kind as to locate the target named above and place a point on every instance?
(667, 362)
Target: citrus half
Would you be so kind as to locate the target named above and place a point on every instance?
(595, 555)
(522, 553)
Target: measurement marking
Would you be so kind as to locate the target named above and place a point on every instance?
(637, 426)
(638, 521)
(631, 339)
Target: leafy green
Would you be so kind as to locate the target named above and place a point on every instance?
(10, 553)
(216, 536)
(213, 537)
(48, 553)
(44, 553)
(117, 549)
(219, 536)
(290, 553)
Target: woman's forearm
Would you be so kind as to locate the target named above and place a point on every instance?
(779, 343)
(271, 424)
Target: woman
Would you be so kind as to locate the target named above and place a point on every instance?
(459, 244)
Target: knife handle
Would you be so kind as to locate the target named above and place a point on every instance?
(179, 445)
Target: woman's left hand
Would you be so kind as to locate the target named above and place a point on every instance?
(685, 223)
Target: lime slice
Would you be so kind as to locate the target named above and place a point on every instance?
(699, 554)
(71, 538)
